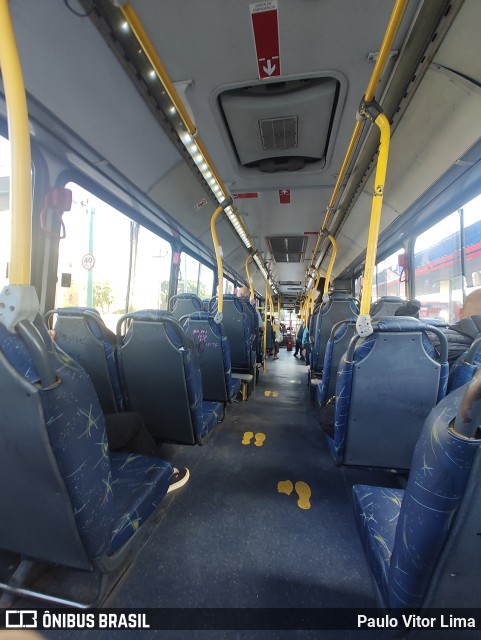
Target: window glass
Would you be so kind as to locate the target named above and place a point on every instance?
(96, 261)
(228, 286)
(472, 241)
(206, 282)
(151, 275)
(437, 263)
(194, 277)
(389, 277)
(5, 218)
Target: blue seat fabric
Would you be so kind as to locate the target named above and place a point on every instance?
(463, 370)
(204, 415)
(201, 317)
(346, 372)
(76, 430)
(340, 306)
(238, 331)
(403, 532)
(109, 344)
(183, 304)
(329, 372)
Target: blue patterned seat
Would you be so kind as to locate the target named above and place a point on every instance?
(340, 306)
(238, 331)
(463, 370)
(183, 304)
(82, 334)
(386, 386)
(341, 334)
(212, 348)
(161, 374)
(416, 540)
(54, 441)
(385, 306)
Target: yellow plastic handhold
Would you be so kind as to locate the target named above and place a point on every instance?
(248, 435)
(303, 490)
(260, 437)
(285, 486)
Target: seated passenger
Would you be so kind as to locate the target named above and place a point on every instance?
(461, 334)
(410, 308)
(126, 431)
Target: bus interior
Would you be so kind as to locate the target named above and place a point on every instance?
(323, 156)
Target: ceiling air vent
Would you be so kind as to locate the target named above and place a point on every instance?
(287, 249)
(281, 126)
(279, 133)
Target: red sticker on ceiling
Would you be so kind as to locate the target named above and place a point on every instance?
(285, 196)
(239, 196)
(266, 37)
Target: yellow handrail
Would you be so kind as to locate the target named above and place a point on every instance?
(386, 46)
(331, 263)
(135, 25)
(383, 123)
(218, 255)
(265, 326)
(20, 181)
(249, 279)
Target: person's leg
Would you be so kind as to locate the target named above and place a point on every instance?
(127, 432)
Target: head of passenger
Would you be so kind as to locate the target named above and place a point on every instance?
(410, 308)
(244, 293)
(472, 305)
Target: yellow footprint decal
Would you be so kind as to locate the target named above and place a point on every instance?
(260, 437)
(267, 393)
(285, 486)
(275, 394)
(304, 492)
(248, 435)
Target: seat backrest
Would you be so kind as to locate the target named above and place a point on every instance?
(82, 334)
(437, 535)
(385, 306)
(183, 304)
(340, 306)
(341, 335)
(213, 351)
(237, 329)
(463, 370)
(161, 374)
(386, 386)
(53, 443)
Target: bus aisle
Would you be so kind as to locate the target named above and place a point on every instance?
(266, 518)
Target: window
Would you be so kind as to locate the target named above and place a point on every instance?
(194, 277)
(151, 272)
(228, 286)
(437, 263)
(389, 277)
(96, 266)
(5, 218)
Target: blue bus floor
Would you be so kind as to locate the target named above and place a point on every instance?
(266, 518)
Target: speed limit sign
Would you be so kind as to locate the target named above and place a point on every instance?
(88, 261)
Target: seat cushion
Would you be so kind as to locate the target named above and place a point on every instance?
(212, 415)
(233, 388)
(377, 512)
(138, 485)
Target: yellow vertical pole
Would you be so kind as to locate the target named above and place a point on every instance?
(363, 323)
(331, 263)
(265, 326)
(21, 181)
(249, 279)
(218, 255)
